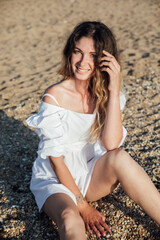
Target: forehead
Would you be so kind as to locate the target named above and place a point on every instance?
(86, 44)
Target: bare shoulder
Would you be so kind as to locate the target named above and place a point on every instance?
(58, 91)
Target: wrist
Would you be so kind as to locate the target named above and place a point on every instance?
(81, 201)
(114, 94)
(79, 198)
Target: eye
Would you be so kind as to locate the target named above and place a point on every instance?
(93, 56)
(76, 51)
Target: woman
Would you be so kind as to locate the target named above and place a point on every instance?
(80, 128)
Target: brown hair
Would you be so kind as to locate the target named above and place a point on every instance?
(98, 85)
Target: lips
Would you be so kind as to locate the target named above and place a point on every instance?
(82, 70)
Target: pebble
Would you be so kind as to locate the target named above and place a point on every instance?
(145, 55)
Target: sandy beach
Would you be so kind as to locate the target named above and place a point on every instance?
(32, 37)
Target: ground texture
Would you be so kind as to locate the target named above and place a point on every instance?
(33, 34)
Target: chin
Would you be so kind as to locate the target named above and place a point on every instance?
(82, 77)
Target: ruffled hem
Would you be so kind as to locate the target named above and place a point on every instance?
(54, 152)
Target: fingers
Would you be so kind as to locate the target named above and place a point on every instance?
(109, 61)
(99, 228)
(105, 226)
(88, 229)
(112, 64)
(109, 65)
(95, 229)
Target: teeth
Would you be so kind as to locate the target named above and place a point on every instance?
(82, 70)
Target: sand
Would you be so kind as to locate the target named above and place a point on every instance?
(32, 36)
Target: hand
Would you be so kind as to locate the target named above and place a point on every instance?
(110, 65)
(94, 221)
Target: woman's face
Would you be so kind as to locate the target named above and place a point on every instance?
(83, 59)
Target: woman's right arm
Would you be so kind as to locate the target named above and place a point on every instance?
(93, 219)
(65, 177)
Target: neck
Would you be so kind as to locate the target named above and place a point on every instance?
(81, 86)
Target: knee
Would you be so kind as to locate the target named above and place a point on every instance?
(116, 159)
(71, 218)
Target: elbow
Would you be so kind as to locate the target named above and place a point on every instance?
(111, 144)
(56, 161)
(110, 147)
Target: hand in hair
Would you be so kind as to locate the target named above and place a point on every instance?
(110, 65)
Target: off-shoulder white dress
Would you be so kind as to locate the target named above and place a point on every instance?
(64, 132)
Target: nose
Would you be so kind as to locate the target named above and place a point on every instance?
(84, 60)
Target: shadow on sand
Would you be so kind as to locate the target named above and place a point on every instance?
(18, 209)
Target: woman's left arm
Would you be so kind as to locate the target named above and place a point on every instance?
(112, 132)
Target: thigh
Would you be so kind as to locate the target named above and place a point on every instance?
(103, 180)
(57, 204)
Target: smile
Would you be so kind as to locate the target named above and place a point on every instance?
(82, 70)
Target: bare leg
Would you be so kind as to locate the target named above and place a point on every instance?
(61, 208)
(117, 166)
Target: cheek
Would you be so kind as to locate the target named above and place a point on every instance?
(73, 62)
(74, 59)
(93, 65)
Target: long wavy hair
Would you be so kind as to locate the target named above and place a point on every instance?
(98, 84)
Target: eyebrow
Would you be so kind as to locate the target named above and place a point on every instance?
(82, 51)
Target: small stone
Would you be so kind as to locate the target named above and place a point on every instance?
(131, 54)
(24, 159)
(14, 215)
(145, 55)
(130, 72)
(28, 27)
(111, 206)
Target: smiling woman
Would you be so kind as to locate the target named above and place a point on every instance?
(80, 128)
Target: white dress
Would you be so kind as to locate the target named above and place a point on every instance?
(64, 132)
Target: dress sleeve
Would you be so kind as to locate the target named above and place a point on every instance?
(124, 136)
(122, 105)
(48, 125)
(122, 100)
